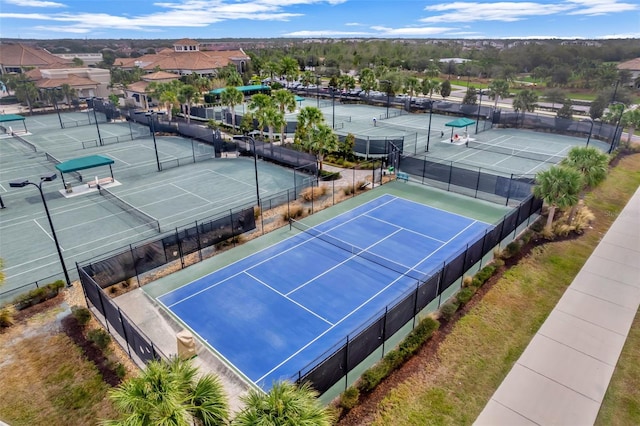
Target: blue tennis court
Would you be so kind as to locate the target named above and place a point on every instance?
(273, 313)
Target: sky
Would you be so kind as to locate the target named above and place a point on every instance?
(425, 19)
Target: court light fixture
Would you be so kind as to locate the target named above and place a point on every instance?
(21, 183)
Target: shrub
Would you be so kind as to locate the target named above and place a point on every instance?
(498, 263)
(484, 274)
(349, 397)
(81, 314)
(373, 376)
(38, 295)
(100, 337)
(328, 176)
(420, 334)
(465, 295)
(313, 193)
(467, 280)
(498, 253)
(6, 316)
(292, 213)
(394, 359)
(256, 212)
(448, 310)
(512, 249)
(120, 370)
(537, 226)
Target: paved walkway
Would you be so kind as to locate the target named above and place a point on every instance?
(563, 374)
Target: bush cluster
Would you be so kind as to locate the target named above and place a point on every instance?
(465, 295)
(6, 317)
(38, 295)
(328, 176)
(82, 315)
(313, 193)
(349, 397)
(395, 358)
(293, 213)
(448, 310)
(100, 337)
(484, 274)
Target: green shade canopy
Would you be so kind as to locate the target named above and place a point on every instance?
(242, 89)
(5, 118)
(461, 122)
(83, 163)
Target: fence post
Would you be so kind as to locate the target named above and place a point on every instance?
(135, 269)
(424, 168)
(124, 330)
(180, 253)
(415, 304)
(233, 231)
(197, 228)
(346, 364)
(478, 182)
(509, 190)
(384, 329)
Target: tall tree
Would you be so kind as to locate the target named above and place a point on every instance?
(189, 94)
(367, 80)
(592, 164)
(525, 101)
(554, 95)
(289, 68)
(286, 102)
(471, 97)
(284, 405)
(498, 89)
(308, 119)
(24, 89)
(558, 187)
(258, 104)
(631, 120)
(445, 89)
(429, 87)
(232, 97)
(566, 111)
(411, 85)
(170, 393)
(69, 93)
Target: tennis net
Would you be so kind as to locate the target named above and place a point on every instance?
(360, 252)
(26, 142)
(408, 129)
(54, 160)
(516, 152)
(147, 219)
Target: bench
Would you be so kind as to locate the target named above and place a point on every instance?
(102, 181)
(402, 176)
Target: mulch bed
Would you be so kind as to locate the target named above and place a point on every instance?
(75, 331)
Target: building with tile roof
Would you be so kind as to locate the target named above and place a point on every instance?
(633, 66)
(186, 58)
(16, 57)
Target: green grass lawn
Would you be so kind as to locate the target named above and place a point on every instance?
(483, 346)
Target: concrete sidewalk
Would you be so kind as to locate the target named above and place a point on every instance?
(562, 376)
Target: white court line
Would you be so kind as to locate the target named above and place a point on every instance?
(47, 234)
(348, 259)
(3, 188)
(286, 296)
(405, 229)
(263, 261)
(116, 158)
(358, 308)
(190, 193)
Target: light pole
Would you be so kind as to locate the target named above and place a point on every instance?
(590, 132)
(150, 115)
(318, 91)
(54, 98)
(388, 87)
(429, 130)
(615, 132)
(333, 108)
(255, 163)
(48, 178)
(95, 116)
(479, 108)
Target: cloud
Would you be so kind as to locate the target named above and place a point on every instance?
(412, 31)
(601, 7)
(34, 3)
(328, 33)
(498, 11)
(354, 24)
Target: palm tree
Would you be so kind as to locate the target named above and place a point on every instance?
(286, 102)
(308, 119)
(367, 80)
(272, 118)
(429, 87)
(170, 393)
(558, 187)
(69, 93)
(433, 70)
(24, 89)
(592, 164)
(231, 97)
(411, 85)
(189, 93)
(257, 105)
(524, 101)
(322, 142)
(285, 404)
(631, 119)
(498, 89)
(169, 98)
(289, 68)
